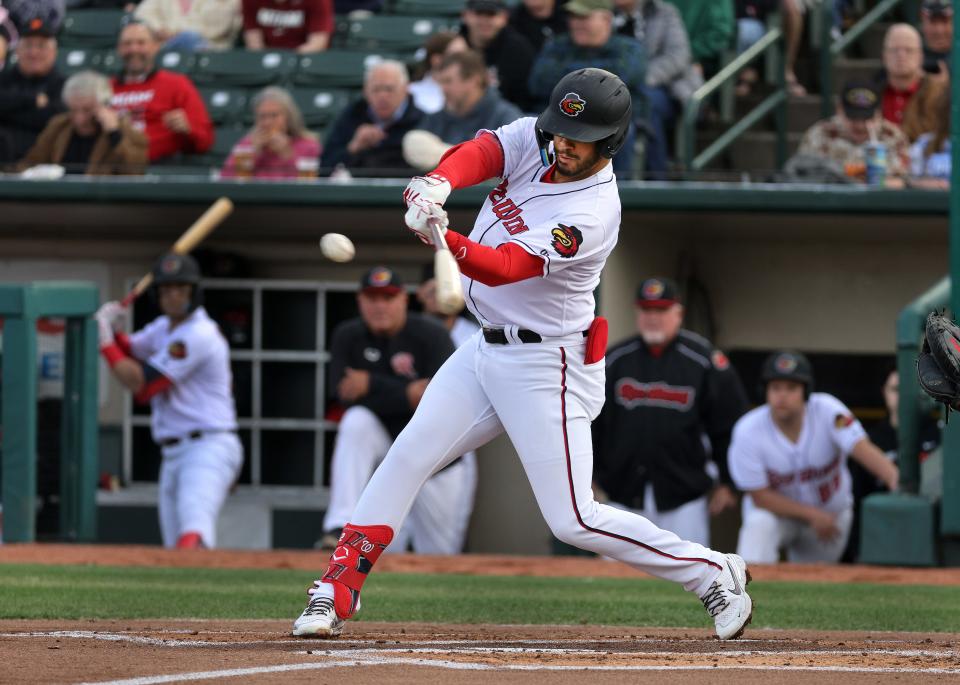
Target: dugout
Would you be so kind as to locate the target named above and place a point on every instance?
(825, 269)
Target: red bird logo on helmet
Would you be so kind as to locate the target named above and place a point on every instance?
(572, 104)
(566, 240)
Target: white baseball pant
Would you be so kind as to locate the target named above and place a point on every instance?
(441, 512)
(763, 534)
(544, 397)
(195, 478)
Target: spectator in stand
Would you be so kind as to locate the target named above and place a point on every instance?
(842, 138)
(930, 157)
(671, 78)
(902, 69)
(29, 92)
(192, 25)
(90, 138)
(591, 42)
(539, 21)
(710, 27)
(470, 105)
(8, 35)
(279, 145)
(936, 25)
(367, 137)
(304, 26)
(426, 91)
(162, 104)
(507, 53)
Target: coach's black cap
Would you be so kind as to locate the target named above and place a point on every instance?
(381, 280)
(937, 8)
(657, 293)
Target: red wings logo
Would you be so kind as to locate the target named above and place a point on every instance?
(632, 393)
(177, 350)
(566, 240)
(572, 104)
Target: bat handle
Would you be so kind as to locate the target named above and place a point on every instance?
(439, 240)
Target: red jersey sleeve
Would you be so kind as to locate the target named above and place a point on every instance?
(505, 264)
(250, 8)
(472, 162)
(320, 17)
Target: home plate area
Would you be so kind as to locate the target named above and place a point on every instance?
(144, 652)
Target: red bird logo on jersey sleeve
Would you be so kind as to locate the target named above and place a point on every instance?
(566, 240)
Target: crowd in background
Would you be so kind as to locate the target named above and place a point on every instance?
(498, 64)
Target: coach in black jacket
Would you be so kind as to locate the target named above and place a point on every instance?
(672, 399)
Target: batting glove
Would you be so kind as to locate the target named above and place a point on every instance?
(431, 188)
(421, 214)
(108, 317)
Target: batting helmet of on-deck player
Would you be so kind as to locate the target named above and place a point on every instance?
(177, 268)
(588, 105)
(787, 365)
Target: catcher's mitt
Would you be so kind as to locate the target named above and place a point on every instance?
(938, 366)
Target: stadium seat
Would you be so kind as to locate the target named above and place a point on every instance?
(97, 28)
(334, 69)
(244, 68)
(72, 60)
(429, 8)
(226, 137)
(226, 106)
(391, 34)
(320, 107)
(180, 62)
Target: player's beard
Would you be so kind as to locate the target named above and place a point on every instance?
(577, 166)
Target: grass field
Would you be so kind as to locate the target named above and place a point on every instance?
(75, 592)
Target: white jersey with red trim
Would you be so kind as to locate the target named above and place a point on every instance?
(573, 227)
(195, 357)
(811, 471)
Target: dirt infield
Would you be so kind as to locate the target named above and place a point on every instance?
(162, 651)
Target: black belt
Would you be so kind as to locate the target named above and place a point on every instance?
(192, 435)
(497, 336)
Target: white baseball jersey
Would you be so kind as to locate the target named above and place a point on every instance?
(811, 471)
(196, 358)
(573, 227)
(462, 331)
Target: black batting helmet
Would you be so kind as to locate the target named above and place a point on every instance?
(787, 365)
(179, 268)
(588, 105)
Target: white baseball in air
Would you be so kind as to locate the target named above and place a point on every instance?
(337, 247)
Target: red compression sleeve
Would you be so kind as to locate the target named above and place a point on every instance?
(507, 263)
(123, 342)
(113, 354)
(472, 162)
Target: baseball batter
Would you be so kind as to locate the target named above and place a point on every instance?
(789, 457)
(180, 364)
(536, 370)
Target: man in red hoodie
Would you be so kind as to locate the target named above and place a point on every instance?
(161, 103)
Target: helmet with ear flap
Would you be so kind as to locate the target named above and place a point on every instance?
(177, 268)
(588, 105)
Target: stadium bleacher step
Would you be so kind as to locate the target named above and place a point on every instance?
(757, 150)
(846, 69)
(802, 112)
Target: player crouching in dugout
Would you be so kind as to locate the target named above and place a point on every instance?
(180, 364)
(789, 458)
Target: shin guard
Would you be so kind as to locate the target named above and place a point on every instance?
(357, 552)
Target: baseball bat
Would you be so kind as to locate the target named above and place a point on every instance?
(445, 270)
(192, 237)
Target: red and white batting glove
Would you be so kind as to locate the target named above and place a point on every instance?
(421, 214)
(424, 197)
(108, 318)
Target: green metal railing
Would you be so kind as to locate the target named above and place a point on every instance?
(771, 42)
(830, 50)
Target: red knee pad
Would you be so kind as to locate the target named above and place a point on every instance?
(351, 561)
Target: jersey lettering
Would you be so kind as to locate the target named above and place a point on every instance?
(279, 19)
(506, 210)
(632, 393)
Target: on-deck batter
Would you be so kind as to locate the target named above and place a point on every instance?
(536, 370)
(789, 457)
(180, 363)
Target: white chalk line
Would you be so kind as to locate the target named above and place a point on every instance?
(460, 666)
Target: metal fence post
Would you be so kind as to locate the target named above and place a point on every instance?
(19, 429)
